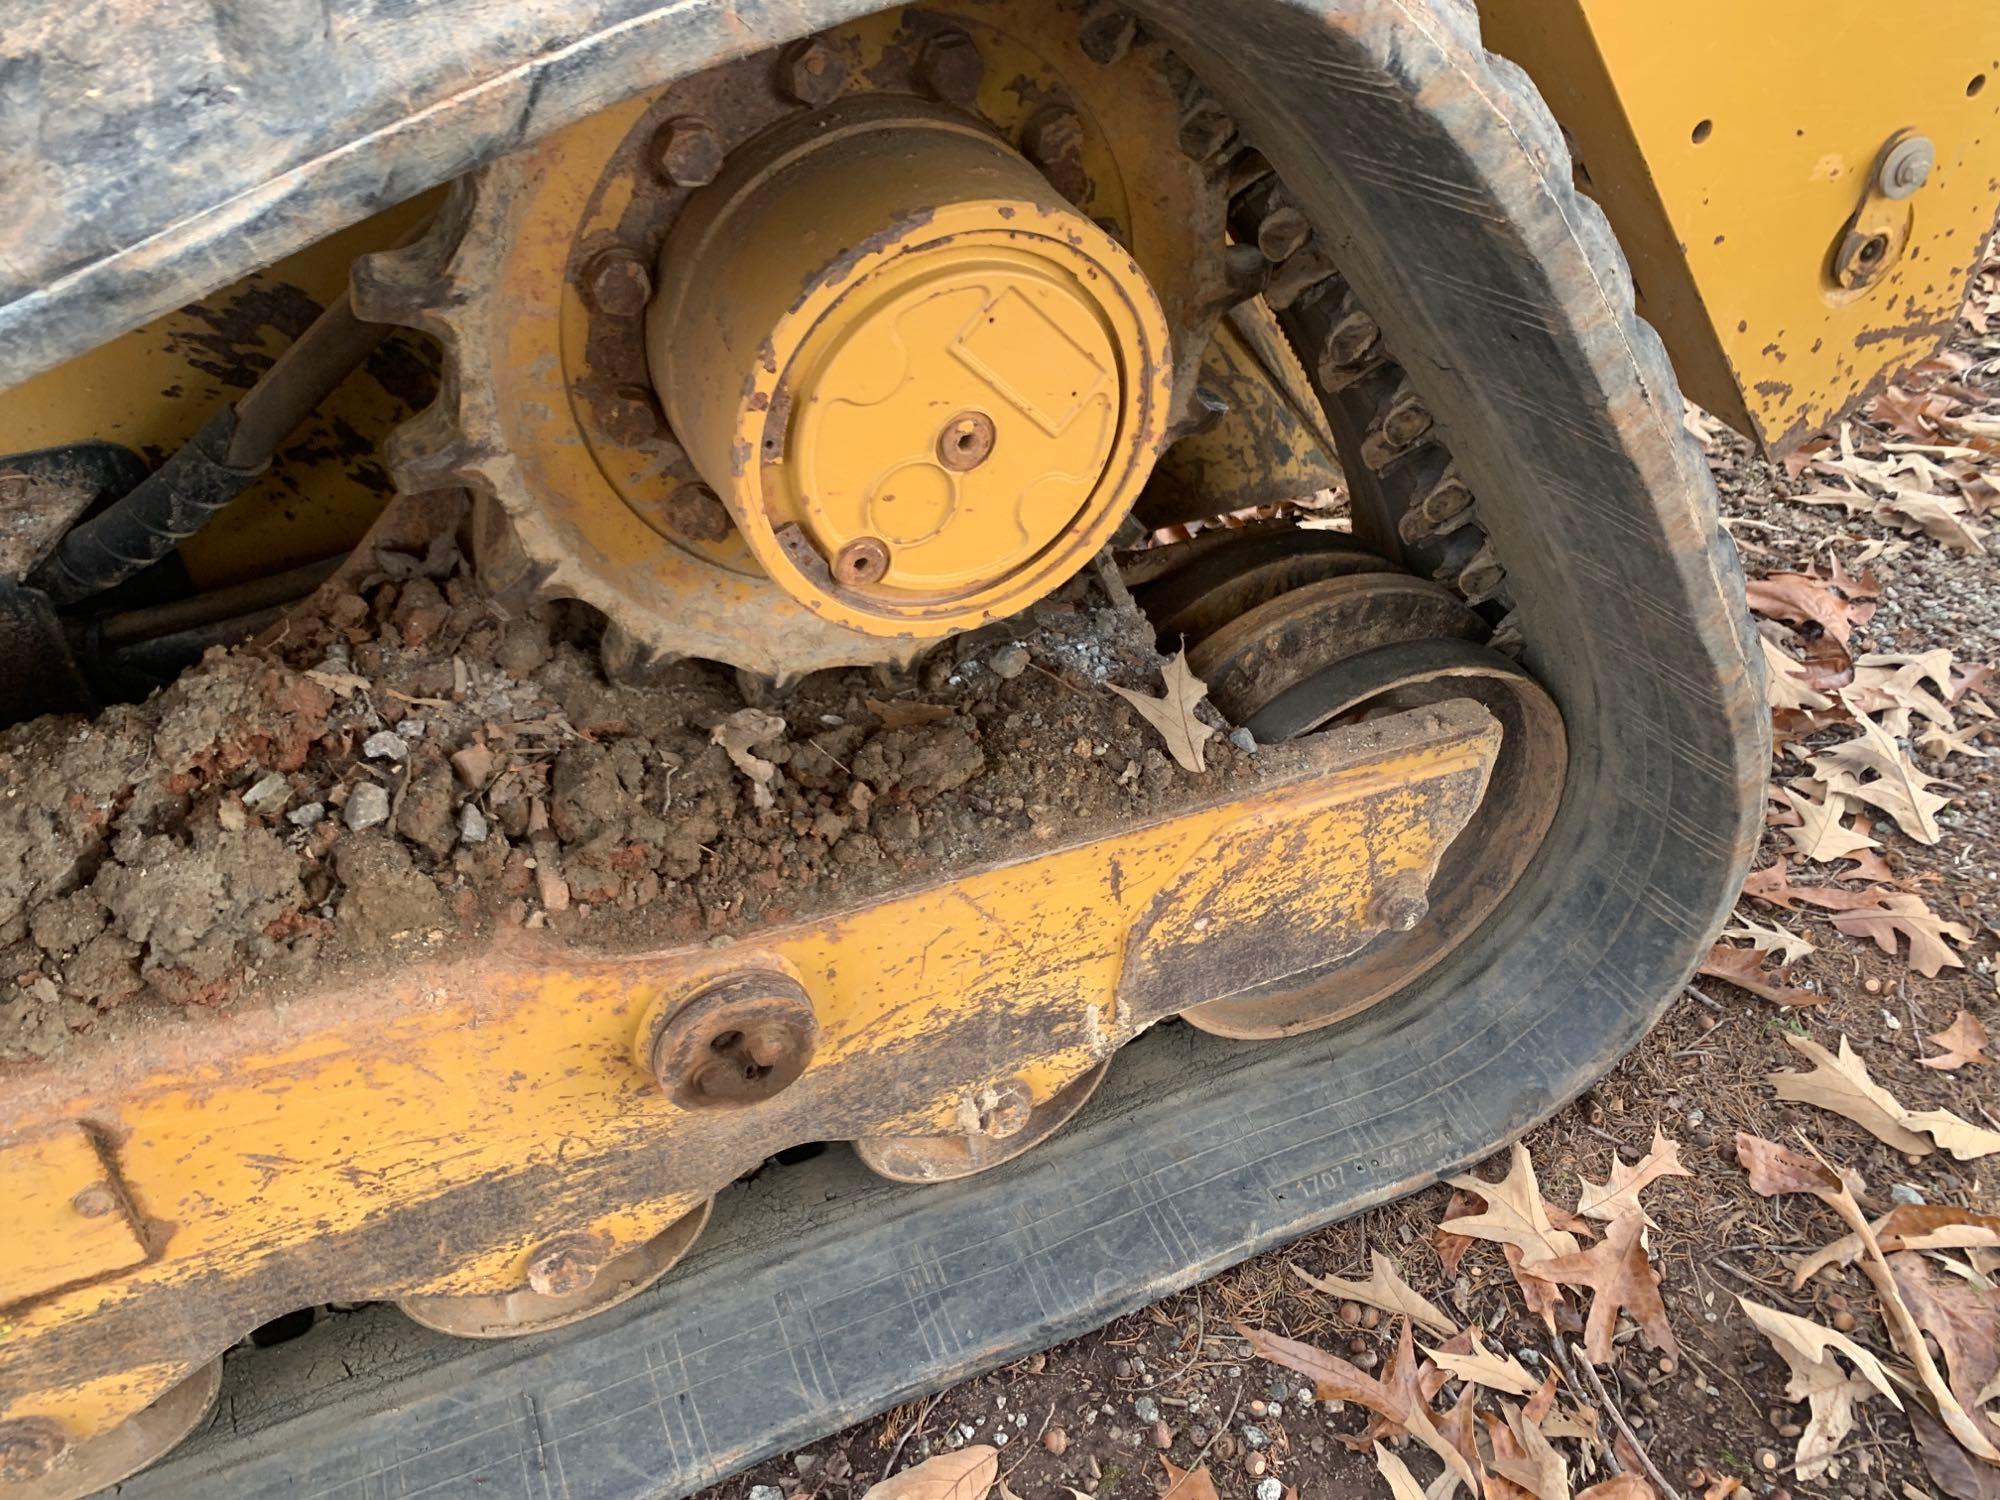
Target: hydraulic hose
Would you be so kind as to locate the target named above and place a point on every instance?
(213, 467)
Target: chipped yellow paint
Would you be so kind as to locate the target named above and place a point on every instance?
(424, 1128)
(70, 1220)
(1729, 144)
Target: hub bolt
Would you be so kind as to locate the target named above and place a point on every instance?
(862, 560)
(94, 1202)
(951, 70)
(687, 152)
(697, 513)
(1107, 33)
(966, 442)
(567, 1265)
(617, 282)
(1053, 141)
(812, 73)
(1205, 130)
(738, 1040)
(1907, 167)
(29, 1448)
(629, 414)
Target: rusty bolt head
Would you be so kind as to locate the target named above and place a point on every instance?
(696, 512)
(1107, 33)
(1005, 1109)
(738, 1040)
(628, 414)
(965, 443)
(29, 1448)
(862, 560)
(95, 1201)
(950, 69)
(812, 73)
(566, 1265)
(1053, 141)
(1400, 904)
(687, 152)
(1205, 130)
(1283, 233)
(617, 282)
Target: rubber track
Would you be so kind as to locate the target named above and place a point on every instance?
(821, 1297)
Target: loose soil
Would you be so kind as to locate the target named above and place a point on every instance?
(411, 765)
(1175, 1382)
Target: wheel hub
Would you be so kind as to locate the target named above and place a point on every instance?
(927, 388)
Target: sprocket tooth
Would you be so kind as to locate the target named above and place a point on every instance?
(431, 450)
(409, 284)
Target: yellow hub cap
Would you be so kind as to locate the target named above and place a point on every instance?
(926, 387)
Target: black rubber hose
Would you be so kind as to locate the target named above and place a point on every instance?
(217, 464)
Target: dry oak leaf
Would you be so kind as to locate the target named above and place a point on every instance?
(1893, 782)
(1396, 1400)
(1619, 1487)
(1964, 1041)
(1620, 1195)
(1515, 1212)
(1908, 1337)
(1385, 1289)
(1776, 1169)
(1403, 1484)
(1800, 599)
(1842, 1085)
(1789, 946)
(1909, 1226)
(1189, 1484)
(1965, 1322)
(968, 1474)
(1618, 1272)
(1484, 1367)
(1773, 886)
(1451, 1247)
(1787, 681)
(1820, 835)
(1743, 967)
(1173, 712)
(1819, 1381)
(1540, 1469)
(1900, 913)
(739, 735)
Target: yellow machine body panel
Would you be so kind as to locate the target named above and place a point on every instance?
(1732, 145)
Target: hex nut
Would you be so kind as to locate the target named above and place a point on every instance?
(687, 152)
(950, 69)
(812, 73)
(617, 282)
(1907, 167)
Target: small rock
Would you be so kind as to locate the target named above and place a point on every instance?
(1009, 662)
(1056, 1441)
(1270, 1489)
(1243, 740)
(1163, 1436)
(367, 805)
(1122, 1369)
(410, 729)
(1906, 1192)
(230, 816)
(1000, 1439)
(766, 1492)
(385, 744)
(471, 824)
(1256, 1436)
(271, 791)
(804, 1462)
(1146, 1409)
(473, 765)
(309, 816)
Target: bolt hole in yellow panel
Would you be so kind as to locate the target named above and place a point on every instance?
(1730, 144)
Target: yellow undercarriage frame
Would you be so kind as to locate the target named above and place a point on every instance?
(515, 1118)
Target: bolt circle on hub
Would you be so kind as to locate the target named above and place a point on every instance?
(881, 326)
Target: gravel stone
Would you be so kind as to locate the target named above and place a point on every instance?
(270, 791)
(367, 805)
(385, 744)
(471, 824)
(1270, 1489)
(1904, 1192)
(309, 816)
(1243, 740)
(1008, 662)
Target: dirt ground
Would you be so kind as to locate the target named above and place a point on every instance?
(1102, 1415)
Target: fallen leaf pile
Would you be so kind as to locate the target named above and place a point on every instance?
(1497, 1435)
(1941, 1310)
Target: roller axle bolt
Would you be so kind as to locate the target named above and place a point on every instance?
(1005, 1109)
(966, 442)
(738, 1040)
(687, 152)
(567, 1265)
(29, 1448)
(1401, 905)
